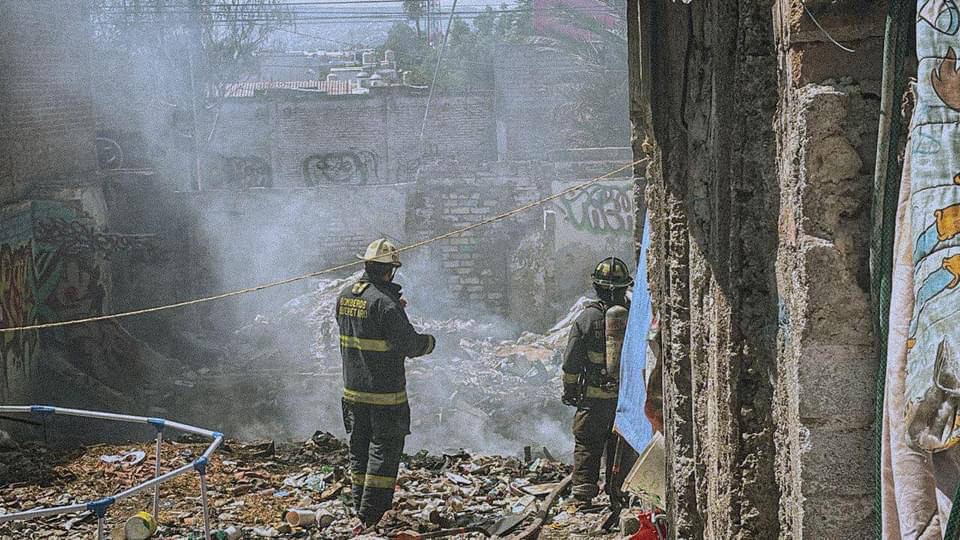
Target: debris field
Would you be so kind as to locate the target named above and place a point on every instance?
(252, 485)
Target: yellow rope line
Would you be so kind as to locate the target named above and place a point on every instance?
(289, 280)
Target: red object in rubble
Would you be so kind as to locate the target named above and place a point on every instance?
(651, 528)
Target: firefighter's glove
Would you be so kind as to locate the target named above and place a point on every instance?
(571, 395)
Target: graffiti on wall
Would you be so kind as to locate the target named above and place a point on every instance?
(600, 209)
(16, 303)
(109, 154)
(67, 285)
(407, 167)
(338, 168)
(245, 172)
(16, 299)
(77, 236)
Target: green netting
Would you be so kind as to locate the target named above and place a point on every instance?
(886, 193)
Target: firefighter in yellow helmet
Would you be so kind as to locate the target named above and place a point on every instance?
(375, 339)
(588, 387)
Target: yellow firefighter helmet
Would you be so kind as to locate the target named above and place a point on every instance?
(381, 251)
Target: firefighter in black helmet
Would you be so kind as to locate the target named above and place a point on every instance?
(375, 339)
(587, 385)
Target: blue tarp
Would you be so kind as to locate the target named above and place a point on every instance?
(631, 422)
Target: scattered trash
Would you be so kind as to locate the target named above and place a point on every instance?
(301, 518)
(68, 525)
(486, 379)
(458, 479)
(324, 519)
(650, 526)
(265, 532)
(266, 489)
(485, 383)
(131, 458)
(629, 524)
(230, 533)
(140, 526)
(313, 482)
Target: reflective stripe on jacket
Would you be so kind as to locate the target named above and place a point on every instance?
(375, 338)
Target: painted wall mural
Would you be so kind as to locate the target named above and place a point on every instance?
(16, 305)
(942, 15)
(44, 277)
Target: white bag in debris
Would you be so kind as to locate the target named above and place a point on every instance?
(133, 457)
(648, 477)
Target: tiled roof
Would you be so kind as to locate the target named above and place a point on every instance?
(250, 89)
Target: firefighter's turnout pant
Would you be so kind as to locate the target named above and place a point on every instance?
(377, 434)
(594, 437)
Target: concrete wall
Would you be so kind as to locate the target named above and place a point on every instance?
(829, 112)
(762, 137)
(46, 144)
(57, 251)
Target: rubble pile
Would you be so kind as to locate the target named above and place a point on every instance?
(253, 485)
(474, 381)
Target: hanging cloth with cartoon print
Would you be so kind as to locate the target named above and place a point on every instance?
(933, 341)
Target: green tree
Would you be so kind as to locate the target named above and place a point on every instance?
(599, 105)
(174, 58)
(469, 56)
(219, 37)
(415, 10)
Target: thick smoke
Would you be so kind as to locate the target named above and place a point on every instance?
(254, 366)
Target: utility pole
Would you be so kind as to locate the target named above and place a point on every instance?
(194, 44)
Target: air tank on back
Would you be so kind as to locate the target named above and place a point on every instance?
(615, 326)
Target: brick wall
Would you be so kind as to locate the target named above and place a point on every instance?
(474, 265)
(521, 257)
(46, 114)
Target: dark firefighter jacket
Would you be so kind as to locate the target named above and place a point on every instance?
(584, 360)
(375, 338)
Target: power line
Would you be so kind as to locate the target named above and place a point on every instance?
(304, 34)
(256, 7)
(301, 14)
(287, 281)
(433, 86)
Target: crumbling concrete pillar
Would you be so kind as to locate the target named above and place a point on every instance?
(763, 134)
(827, 127)
(713, 201)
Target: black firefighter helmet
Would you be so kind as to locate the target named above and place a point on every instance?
(612, 273)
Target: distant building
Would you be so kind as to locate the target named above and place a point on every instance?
(300, 65)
